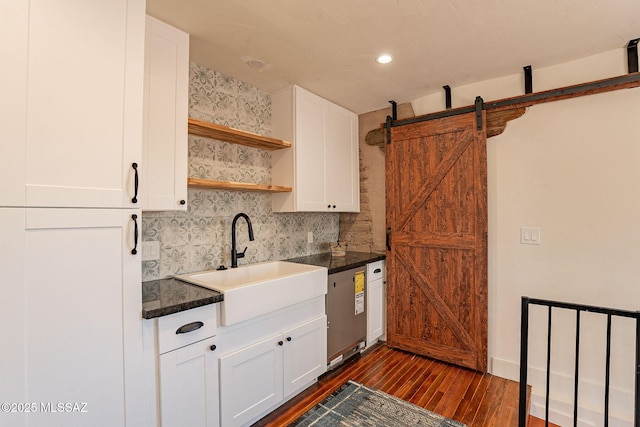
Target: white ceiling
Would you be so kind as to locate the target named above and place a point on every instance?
(329, 46)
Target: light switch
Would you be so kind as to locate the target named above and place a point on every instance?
(530, 235)
(150, 251)
(310, 237)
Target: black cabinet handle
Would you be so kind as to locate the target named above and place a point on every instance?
(334, 206)
(183, 202)
(329, 206)
(134, 251)
(377, 270)
(213, 347)
(289, 339)
(135, 183)
(280, 343)
(189, 327)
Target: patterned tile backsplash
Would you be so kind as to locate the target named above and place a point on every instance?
(200, 239)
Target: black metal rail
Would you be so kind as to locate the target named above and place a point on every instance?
(578, 308)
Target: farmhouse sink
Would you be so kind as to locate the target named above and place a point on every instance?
(256, 289)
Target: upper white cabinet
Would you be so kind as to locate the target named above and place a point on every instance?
(166, 104)
(72, 102)
(323, 166)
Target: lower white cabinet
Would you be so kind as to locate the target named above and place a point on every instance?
(251, 381)
(376, 305)
(189, 385)
(258, 377)
(187, 368)
(71, 307)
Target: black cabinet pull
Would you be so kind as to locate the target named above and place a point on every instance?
(213, 347)
(329, 206)
(189, 327)
(135, 183)
(289, 339)
(334, 206)
(183, 202)
(280, 343)
(377, 270)
(134, 251)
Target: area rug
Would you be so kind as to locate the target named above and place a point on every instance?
(356, 405)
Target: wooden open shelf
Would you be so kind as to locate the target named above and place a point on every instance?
(239, 186)
(236, 136)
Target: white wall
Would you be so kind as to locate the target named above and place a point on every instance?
(571, 168)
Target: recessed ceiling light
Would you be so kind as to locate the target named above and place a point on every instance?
(254, 63)
(384, 59)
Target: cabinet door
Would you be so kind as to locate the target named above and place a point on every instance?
(84, 102)
(189, 386)
(166, 91)
(250, 381)
(82, 326)
(305, 354)
(342, 158)
(375, 311)
(12, 368)
(310, 124)
(14, 33)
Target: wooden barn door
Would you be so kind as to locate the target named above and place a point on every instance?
(437, 218)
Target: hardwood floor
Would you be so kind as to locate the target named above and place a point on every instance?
(476, 399)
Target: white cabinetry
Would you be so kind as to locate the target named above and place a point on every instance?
(376, 305)
(251, 381)
(323, 165)
(76, 127)
(188, 368)
(74, 302)
(273, 364)
(166, 91)
(71, 130)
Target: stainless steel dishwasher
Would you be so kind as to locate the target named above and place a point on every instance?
(346, 314)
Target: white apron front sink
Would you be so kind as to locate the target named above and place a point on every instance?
(256, 289)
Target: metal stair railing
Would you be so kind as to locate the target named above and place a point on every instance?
(578, 308)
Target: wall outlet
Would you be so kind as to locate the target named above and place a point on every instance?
(530, 235)
(150, 251)
(310, 237)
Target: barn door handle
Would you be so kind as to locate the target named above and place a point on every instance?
(389, 238)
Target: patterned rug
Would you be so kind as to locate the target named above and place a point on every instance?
(356, 405)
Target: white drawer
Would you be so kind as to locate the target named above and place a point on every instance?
(375, 270)
(186, 327)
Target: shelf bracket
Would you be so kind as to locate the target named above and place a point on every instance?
(394, 109)
(528, 79)
(447, 96)
(632, 55)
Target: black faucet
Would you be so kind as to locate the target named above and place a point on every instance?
(234, 252)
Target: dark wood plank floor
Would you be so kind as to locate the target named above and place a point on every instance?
(476, 399)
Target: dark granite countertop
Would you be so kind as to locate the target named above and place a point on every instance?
(337, 264)
(168, 296)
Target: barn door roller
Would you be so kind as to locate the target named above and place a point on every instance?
(479, 106)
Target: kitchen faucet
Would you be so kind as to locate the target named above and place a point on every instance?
(234, 252)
